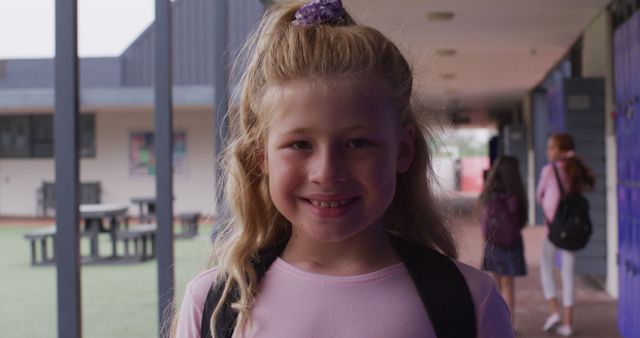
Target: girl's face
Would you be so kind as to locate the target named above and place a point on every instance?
(553, 152)
(332, 156)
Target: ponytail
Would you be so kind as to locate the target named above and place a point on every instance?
(579, 175)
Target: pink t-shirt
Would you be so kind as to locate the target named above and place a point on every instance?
(548, 192)
(293, 303)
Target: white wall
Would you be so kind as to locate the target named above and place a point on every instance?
(194, 191)
(444, 169)
(530, 180)
(597, 62)
(19, 181)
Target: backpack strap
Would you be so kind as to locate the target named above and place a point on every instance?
(441, 286)
(227, 318)
(555, 171)
(559, 182)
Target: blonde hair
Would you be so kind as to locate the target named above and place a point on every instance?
(279, 52)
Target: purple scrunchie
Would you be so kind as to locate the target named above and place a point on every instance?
(321, 12)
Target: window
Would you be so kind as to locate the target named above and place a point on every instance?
(31, 136)
(41, 136)
(87, 135)
(15, 135)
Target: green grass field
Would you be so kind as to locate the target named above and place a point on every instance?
(117, 300)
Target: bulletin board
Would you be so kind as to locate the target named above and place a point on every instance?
(142, 160)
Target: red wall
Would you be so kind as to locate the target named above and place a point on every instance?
(471, 173)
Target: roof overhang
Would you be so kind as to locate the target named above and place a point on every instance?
(25, 99)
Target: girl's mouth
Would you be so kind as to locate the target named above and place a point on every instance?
(330, 204)
(331, 207)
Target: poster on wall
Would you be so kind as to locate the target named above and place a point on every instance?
(142, 157)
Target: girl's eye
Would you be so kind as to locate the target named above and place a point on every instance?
(300, 145)
(358, 143)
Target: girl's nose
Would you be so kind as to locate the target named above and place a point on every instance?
(328, 167)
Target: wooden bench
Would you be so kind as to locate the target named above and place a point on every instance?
(139, 235)
(89, 194)
(42, 236)
(188, 224)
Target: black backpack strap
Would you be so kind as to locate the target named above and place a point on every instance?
(442, 288)
(227, 317)
(555, 171)
(226, 321)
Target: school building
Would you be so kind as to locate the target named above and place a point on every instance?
(555, 66)
(117, 105)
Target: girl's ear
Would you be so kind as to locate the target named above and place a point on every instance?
(407, 149)
(264, 164)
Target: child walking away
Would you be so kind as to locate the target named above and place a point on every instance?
(334, 231)
(504, 214)
(565, 173)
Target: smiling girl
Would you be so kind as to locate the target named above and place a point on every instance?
(334, 230)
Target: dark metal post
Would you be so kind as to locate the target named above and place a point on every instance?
(65, 123)
(164, 168)
(221, 95)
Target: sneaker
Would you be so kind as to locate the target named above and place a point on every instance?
(551, 322)
(564, 330)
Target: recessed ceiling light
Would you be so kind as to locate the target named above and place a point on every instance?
(446, 52)
(448, 76)
(439, 16)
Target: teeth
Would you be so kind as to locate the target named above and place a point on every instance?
(329, 204)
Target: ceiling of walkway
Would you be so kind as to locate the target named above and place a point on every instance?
(502, 47)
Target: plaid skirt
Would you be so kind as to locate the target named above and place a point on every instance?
(506, 261)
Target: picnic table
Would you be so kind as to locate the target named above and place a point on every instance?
(94, 216)
(189, 224)
(41, 236)
(146, 208)
(99, 218)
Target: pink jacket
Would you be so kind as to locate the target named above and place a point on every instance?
(548, 192)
